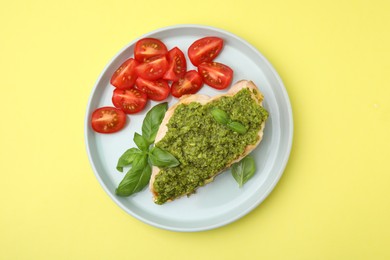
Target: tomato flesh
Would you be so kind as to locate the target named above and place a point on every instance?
(155, 90)
(189, 84)
(107, 120)
(215, 74)
(149, 47)
(177, 65)
(153, 68)
(205, 50)
(129, 101)
(124, 77)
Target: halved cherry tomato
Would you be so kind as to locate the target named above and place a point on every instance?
(108, 120)
(215, 74)
(149, 47)
(189, 84)
(153, 68)
(124, 77)
(177, 65)
(155, 90)
(129, 100)
(205, 50)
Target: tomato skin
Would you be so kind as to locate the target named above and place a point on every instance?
(149, 47)
(205, 50)
(153, 68)
(129, 101)
(155, 90)
(189, 84)
(215, 74)
(177, 65)
(108, 120)
(124, 77)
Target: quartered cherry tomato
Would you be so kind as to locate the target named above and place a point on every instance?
(108, 120)
(189, 84)
(215, 74)
(177, 65)
(129, 100)
(155, 90)
(124, 77)
(153, 68)
(205, 50)
(149, 47)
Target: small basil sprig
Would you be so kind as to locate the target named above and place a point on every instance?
(243, 170)
(223, 118)
(142, 158)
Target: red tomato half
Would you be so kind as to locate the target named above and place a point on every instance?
(189, 84)
(177, 65)
(124, 77)
(216, 75)
(108, 120)
(155, 90)
(129, 100)
(205, 50)
(149, 47)
(153, 68)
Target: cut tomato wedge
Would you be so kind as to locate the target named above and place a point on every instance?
(149, 47)
(189, 84)
(157, 90)
(124, 77)
(107, 120)
(177, 65)
(205, 50)
(215, 74)
(129, 101)
(153, 68)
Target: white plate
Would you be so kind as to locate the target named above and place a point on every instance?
(220, 202)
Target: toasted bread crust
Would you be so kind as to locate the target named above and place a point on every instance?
(204, 99)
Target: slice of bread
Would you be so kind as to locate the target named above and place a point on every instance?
(256, 95)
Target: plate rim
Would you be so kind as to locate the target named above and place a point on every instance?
(290, 131)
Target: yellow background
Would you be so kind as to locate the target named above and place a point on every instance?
(333, 201)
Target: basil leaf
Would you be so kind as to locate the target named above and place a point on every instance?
(223, 118)
(136, 178)
(141, 142)
(237, 127)
(127, 158)
(152, 121)
(220, 116)
(161, 158)
(243, 170)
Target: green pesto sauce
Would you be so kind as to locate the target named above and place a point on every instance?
(203, 146)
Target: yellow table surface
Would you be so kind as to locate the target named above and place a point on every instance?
(333, 201)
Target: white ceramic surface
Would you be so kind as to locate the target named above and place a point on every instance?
(220, 202)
